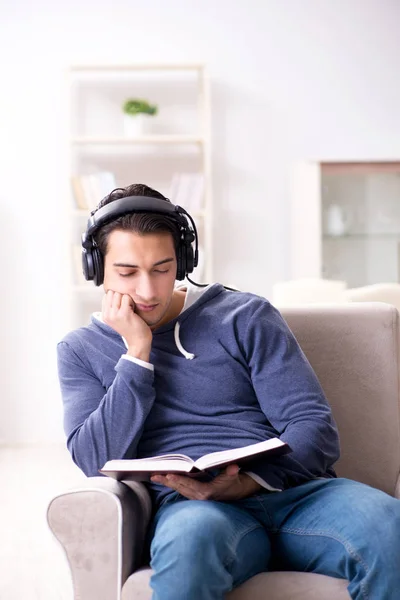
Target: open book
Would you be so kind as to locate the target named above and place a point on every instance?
(141, 469)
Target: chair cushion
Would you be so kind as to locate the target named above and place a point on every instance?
(265, 586)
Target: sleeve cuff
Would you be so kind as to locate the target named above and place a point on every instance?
(138, 361)
(261, 482)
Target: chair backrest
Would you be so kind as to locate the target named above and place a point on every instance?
(354, 350)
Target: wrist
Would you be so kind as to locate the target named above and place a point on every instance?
(139, 352)
(250, 485)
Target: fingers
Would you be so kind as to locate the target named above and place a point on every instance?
(221, 486)
(108, 300)
(110, 305)
(118, 312)
(113, 300)
(116, 301)
(187, 486)
(106, 303)
(127, 303)
(232, 470)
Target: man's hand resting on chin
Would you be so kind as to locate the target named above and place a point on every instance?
(229, 485)
(119, 313)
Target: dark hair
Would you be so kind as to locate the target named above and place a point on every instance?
(141, 223)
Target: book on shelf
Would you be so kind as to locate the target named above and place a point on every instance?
(187, 190)
(79, 193)
(89, 189)
(77, 262)
(141, 469)
(200, 271)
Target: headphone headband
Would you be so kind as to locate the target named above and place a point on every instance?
(92, 260)
(130, 204)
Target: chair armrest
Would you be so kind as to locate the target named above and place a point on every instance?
(101, 526)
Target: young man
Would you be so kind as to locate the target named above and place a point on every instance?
(196, 370)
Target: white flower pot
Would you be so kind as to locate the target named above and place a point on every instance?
(135, 125)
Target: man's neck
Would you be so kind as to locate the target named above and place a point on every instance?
(174, 309)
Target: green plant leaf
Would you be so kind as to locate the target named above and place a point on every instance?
(136, 106)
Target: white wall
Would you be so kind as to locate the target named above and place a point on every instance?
(290, 79)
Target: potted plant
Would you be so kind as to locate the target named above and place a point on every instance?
(136, 115)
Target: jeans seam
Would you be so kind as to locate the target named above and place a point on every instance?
(265, 511)
(328, 534)
(228, 563)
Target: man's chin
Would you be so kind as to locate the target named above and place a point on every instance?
(150, 320)
(161, 315)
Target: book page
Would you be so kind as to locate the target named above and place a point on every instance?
(163, 462)
(217, 458)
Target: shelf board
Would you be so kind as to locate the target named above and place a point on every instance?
(361, 167)
(363, 237)
(144, 139)
(139, 67)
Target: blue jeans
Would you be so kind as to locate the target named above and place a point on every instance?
(202, 549)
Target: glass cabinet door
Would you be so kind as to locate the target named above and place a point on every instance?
(360, 222)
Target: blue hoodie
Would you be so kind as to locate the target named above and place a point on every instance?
(227, 372)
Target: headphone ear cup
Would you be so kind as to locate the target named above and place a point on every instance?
(87, 265)
(188, 251)
(189, 259)
(98, 266)
(185, 257)
(180, 271)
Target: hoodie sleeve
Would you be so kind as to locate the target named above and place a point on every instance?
(102, 424)
(291, 398)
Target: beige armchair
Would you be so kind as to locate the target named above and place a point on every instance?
(354, 350)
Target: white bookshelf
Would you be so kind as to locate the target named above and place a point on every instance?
(144, 139)
(179, 142)
(137, 67)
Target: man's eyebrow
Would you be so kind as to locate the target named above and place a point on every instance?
(129, 265)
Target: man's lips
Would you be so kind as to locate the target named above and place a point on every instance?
(146, 307)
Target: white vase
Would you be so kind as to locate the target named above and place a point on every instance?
(336, 221)
(134, 125)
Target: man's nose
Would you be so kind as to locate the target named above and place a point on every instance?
(146, 288)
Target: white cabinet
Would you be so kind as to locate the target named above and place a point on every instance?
(173, 145)
(345, 221)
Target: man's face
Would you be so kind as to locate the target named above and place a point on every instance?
(144, 267)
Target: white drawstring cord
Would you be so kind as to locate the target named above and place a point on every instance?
(181, 349)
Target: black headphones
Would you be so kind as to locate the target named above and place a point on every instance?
(92, 258)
